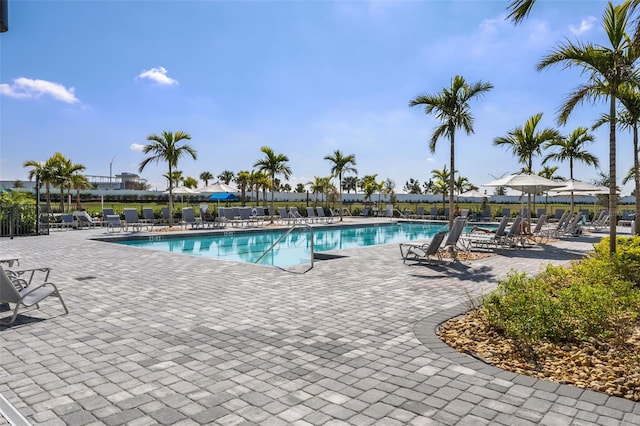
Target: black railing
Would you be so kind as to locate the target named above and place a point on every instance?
(22, 220)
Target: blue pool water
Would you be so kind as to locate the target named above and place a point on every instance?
(294, 249)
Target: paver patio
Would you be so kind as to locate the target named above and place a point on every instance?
(163, 338)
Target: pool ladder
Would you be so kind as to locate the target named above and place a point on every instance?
(289, 231)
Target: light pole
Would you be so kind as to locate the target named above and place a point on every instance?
(110, 172)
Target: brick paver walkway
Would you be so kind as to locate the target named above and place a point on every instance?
(162, 338)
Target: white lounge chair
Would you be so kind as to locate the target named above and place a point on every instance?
(84, 220)
(18, 292)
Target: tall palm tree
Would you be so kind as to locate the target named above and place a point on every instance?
(572, 148)
(206, 177)
(341, 164)
(451, 107)
(608, 68)
(630, 119)
(166, 148)
(190, 182)
(44, 174)
(273, 164)
(320, 185)
(525, 142)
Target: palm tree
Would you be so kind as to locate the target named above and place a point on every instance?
(206, 177)
(571, 148)
(608, 68)
(165, 147)
(549, 173)
(519, 9)
(369, 186)
(43, 173)
(273, 164)
(526, 143)
(451, 107)
(242, 180)
(226, 176)
(350, 183)
(629, 119)
(190, 182)
(441, 183)
(62, 170)
(320, 185)
(79, 182)
(341, 164)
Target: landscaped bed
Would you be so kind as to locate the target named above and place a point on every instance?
(576, 325)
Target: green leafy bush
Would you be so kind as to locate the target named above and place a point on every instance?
(626, 260)
(588, 300)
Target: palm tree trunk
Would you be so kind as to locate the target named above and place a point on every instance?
(613, 196)
(170, 197)
(340, 186)
(451, 181)
(636, 174)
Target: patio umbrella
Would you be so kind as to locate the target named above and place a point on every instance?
(526, 183)
(219, 191)
(217, 188)
(576, 187)
(182, 190)
(473, 193)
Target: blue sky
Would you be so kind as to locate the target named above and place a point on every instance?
(92, 79)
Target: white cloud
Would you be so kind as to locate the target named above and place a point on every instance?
(27, 88)
(136, 147)
(159, 75)
(585, 25)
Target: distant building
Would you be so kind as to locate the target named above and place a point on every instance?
(122, 181)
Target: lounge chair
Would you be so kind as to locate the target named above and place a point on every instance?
(259, 214)
(189, 218)
(311, 215)
(554, 231)
(296, 216)
(537, 234)
(322, 216)
(626, 218)
(419, 213)
(425, 252)
(149, 216)
(433, 213)
(452, 244)
(573, 227)
(365, 212)
(18, 292)
(246, 216)
(559, 213)
(164, 212)
(67, 221)
(486, 240)
(600, 222)
(132, 220)
(113, 221)
(84, 220)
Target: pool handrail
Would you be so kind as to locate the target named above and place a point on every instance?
(289, 231)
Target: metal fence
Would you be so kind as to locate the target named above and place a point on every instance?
(22, 220)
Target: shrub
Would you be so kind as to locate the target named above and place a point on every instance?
(589, 300)
(626, 260)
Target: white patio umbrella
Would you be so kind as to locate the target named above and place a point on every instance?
(576, 187)
(526, 183)
(217, 188)
(473, 193)
(181, 190)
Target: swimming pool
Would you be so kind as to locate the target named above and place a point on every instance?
(294, 249)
